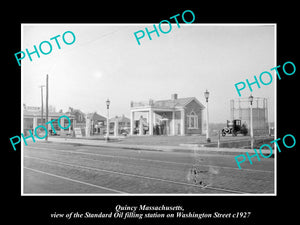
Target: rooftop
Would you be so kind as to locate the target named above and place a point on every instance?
(50, 114)
(120, 119)
(174, 102)
(95, 116)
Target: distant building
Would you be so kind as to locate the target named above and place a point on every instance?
(122, 126)
(95, 123)
(32, 118)
(175, 116)
(78, 115)
(96, 118)
(122, 121)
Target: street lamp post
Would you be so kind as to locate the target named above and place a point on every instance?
(251, 121)
(107, 122)
(47, 97)
(206, 95)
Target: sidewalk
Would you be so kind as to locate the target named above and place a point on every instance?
(166, 148)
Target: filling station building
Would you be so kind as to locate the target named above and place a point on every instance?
(175, 116)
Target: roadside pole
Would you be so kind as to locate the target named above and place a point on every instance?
(219, 138)
(47, 106)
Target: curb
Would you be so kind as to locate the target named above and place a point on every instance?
(187, 149)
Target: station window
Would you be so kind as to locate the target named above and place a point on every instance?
(192, 120)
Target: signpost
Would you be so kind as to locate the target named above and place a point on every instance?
(78, 132)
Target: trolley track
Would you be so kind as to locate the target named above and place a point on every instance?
(154, 172)
(134, 175)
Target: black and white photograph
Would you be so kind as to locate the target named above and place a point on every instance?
(149, 114)
(159, 114)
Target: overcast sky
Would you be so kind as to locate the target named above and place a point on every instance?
(105, 61)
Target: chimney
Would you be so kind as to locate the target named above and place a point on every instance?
(174, 96)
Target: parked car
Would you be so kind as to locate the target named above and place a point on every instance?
(235, 127)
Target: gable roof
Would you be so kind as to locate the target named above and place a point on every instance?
(179, 102)
(120, 119)
(95, 116)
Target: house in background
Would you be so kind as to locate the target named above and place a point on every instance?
(95, 123)
(78, 115)
(175, 116)
(120, 125)
(32, 119)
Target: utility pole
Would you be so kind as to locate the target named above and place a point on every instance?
(251, 121)
(47, 96)
(42, 108)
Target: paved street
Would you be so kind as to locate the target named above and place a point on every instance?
(55, 168)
